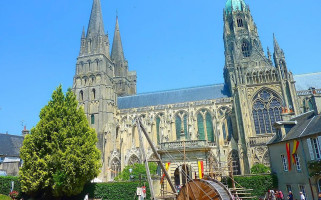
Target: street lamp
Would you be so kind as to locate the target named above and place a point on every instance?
(131, 177)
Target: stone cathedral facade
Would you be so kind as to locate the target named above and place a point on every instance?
(218, 123)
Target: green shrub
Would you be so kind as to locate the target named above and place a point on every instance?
(259, 183)
(260, 169)
(5, 184)
(4, 197)
(114, 190)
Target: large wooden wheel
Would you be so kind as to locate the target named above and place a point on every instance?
(201, 189)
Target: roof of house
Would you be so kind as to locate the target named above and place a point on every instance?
(174, 96)
(10, 145)
(306, 124)
(199, 93)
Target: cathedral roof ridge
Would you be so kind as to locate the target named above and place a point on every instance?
(176, 89)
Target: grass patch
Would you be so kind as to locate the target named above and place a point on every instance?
(4, 197)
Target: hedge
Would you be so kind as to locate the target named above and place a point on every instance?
(105, 191)
(5, 184)
(259, 183)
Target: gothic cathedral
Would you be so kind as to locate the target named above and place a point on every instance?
(218, 123)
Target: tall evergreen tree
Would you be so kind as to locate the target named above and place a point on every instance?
(60, 154)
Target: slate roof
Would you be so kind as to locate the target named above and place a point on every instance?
(10, 145)
(305, 81)
(307, 124)
(174, 96)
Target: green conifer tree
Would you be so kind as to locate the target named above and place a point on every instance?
(60, 154)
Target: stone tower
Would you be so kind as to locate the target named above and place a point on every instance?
(93, 81)
(125, 81)
(262, 93)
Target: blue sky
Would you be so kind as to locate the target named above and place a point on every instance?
(170, 43)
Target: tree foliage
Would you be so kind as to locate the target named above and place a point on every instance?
(138, 170)
(60, 154)
(260, 169)
(315, 168)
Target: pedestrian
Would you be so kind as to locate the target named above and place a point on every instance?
(86, 197)
(277, 195)
(319, 197)
(302, 197)
(290, 196)
(281, 195)
(272, 195)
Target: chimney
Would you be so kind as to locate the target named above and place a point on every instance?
(25, 131)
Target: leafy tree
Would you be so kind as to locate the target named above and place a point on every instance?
(260, 169)
(138, 170)
(315, 168)
(60, 153)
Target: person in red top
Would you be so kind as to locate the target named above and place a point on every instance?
(277, 195)
(281, 195)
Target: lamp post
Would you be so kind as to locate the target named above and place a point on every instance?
(131, 177)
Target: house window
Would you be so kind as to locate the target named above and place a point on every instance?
(246, 48)
(266, 111)
(297, 162)
(92, 119)
(302, 189)
(284, 162)
(316, 147)
(288, 188)
(239, 22)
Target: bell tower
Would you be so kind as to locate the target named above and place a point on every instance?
(263, 93)
(93, 81)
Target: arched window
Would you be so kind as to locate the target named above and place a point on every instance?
(133, 160)
(81, 95)
(246, 48)
(205, 126)
(115, 168)
(239, 22)
(157, 129)
(181, 125)
(266, 111)
(92, 119)
(93, 93)
(282, 68)
(227, 128)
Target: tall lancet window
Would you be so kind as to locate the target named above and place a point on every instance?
(158, 131)
(115, 168)
(205, 126)
(246, 48)
(267, 109)
(181, 125)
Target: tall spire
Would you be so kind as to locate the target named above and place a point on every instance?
(117, 52)
(83, 35)
(96, 25)
(276, 44)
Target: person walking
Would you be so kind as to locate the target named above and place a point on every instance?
(319, 197)
(302, 197)
(281, 196)
(290, 196)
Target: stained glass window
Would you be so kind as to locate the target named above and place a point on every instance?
(157, 129)
(209, 127)
(200, 126)
(205, 126)
(181, 125)
(266, 111)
